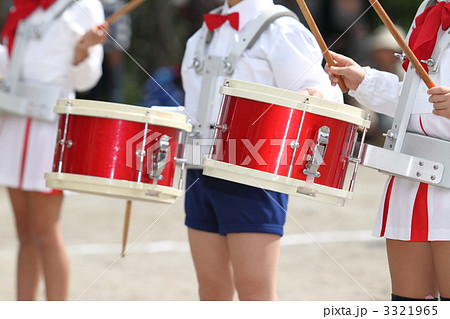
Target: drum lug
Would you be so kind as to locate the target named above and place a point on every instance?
(222, 127)
(160, 158)
(140, 153)
(316, 159)
(294, 145)
(68, 143)
(355, 160)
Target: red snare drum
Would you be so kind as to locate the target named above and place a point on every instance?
(118, 150)
(284, 141)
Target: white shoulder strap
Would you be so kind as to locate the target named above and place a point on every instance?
(249, 37)
(204, 39)
(254, 30)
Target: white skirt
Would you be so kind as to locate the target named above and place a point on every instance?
(413, 211)
(27, 147)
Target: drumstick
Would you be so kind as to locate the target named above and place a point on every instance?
(315, 31)
(124, 10)
(402, 43)
(125, 227)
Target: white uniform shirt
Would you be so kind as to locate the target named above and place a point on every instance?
(380, 91)
(27, 146)
(286, 55)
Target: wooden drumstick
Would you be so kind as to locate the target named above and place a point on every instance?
(125, 227)
(124, 10)
(315, 31)
(402, 43)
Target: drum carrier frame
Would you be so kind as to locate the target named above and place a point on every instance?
(413, 156)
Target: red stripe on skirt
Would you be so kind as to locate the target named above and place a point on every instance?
(419, 223)
(24, 152)
(421, 125)
(386, 206)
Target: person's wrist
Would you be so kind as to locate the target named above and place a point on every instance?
(81, 50)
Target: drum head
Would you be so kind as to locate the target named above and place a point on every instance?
(123, 112)
(295, 100)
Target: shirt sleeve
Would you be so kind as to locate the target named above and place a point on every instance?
(296, 59)
(85, 15)
(379, 91)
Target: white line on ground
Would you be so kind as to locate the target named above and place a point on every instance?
(168, 246)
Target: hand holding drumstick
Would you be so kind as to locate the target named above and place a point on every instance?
(97, 35)
(440, 97)
(351, 72)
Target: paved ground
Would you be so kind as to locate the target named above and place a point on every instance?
(327, 252)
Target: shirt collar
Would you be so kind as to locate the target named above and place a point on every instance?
(248, 9)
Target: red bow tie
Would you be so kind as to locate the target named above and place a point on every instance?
(424, 36)
(213, 21)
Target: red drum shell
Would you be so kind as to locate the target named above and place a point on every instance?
(258, 136)
(103, 147)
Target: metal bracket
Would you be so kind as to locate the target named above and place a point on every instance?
(316, 159)
(160, 158)
(401, 57)
(430, 62)
(404, 165)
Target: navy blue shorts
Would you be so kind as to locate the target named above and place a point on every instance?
(219, 206)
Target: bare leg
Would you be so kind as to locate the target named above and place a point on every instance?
(254, 257)
(46, 229)
(441, 256)
(412, 269)
(212, 264)
(28, 263)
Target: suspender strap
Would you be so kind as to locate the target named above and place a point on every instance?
(204, 39)
(254, 30)
(51, 14)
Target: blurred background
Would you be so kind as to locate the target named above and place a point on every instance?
(149, 43)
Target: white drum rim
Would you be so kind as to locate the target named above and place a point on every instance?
(277, 183)
(295, 100)
(122, 112)
(112, 188)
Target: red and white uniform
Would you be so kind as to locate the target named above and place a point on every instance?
(411, 210)
(27, 145)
